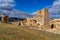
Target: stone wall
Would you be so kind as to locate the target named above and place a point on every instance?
(41, 20)
(5, 18)
(56, 23)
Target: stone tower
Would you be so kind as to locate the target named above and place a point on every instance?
(4, 17)
(43, 18)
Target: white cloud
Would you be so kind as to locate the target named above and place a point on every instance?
(34, 13)
(6, 6)
(7, 3)
(55, 9)
(6, 0)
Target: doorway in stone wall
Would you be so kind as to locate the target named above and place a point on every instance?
(52, 26)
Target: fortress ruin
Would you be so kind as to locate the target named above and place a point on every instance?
(41, 20)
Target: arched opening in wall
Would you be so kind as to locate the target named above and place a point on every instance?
(19, 23)
(35, 21)
(52, 26)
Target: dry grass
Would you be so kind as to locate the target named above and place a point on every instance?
(12, 32)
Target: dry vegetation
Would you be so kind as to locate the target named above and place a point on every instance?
(12, 32)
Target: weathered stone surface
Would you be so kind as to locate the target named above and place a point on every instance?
(5, 18)
(42, 18)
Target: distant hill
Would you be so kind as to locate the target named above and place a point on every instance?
(16, 19)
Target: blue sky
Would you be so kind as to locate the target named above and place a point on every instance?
(32, 5)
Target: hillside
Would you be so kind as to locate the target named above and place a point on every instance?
(13, 32)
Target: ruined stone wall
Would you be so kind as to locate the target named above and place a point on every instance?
(42, 19)
(56, 23)
(45, 17)
(5, 18)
